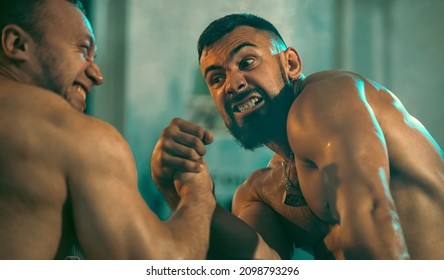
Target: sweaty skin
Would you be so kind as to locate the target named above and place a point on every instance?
(259, 202)
(371, 174)
(363, 161)
(415, 176)
(66, 177)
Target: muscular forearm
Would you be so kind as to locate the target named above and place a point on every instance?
(166, 187)
(232, 238)
(190, 225)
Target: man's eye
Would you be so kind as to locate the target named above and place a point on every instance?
(217, 79)
(85, 47)
(86, 51)
(245, 63)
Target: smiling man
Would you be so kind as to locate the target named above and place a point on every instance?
(68, 181)
(354, 175)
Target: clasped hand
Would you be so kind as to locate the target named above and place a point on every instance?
(177, 163)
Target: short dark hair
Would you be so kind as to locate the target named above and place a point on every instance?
(224, 25)
(26, 14)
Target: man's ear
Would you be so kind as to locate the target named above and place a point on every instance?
(294, 65)
(15, 43)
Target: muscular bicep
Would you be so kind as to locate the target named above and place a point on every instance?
(265, 221)
(345, 145)
(356, 159)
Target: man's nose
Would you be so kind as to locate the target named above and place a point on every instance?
(236, 83)
(93, 72)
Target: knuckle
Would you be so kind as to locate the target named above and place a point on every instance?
(162, 160)
(175, 121)
(166, 132)
(195, 142)
(192, 154)
(200, 132)
(202, 150)
(189, 165)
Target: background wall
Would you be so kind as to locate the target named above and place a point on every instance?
(147, 51)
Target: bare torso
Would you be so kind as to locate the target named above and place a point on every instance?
(267, 185)
(35, 208)
(416, 184)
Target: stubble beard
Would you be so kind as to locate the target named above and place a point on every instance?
(49, 77)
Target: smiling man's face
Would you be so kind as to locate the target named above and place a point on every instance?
(63, 59)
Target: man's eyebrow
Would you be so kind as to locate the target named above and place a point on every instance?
(232, 53)
(211, 68)
(240, 46)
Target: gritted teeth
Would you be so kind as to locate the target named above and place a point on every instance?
(248, 105)
(78, 88)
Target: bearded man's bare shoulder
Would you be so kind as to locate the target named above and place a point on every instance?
(252, 187)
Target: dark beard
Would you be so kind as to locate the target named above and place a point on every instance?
(263, 125)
